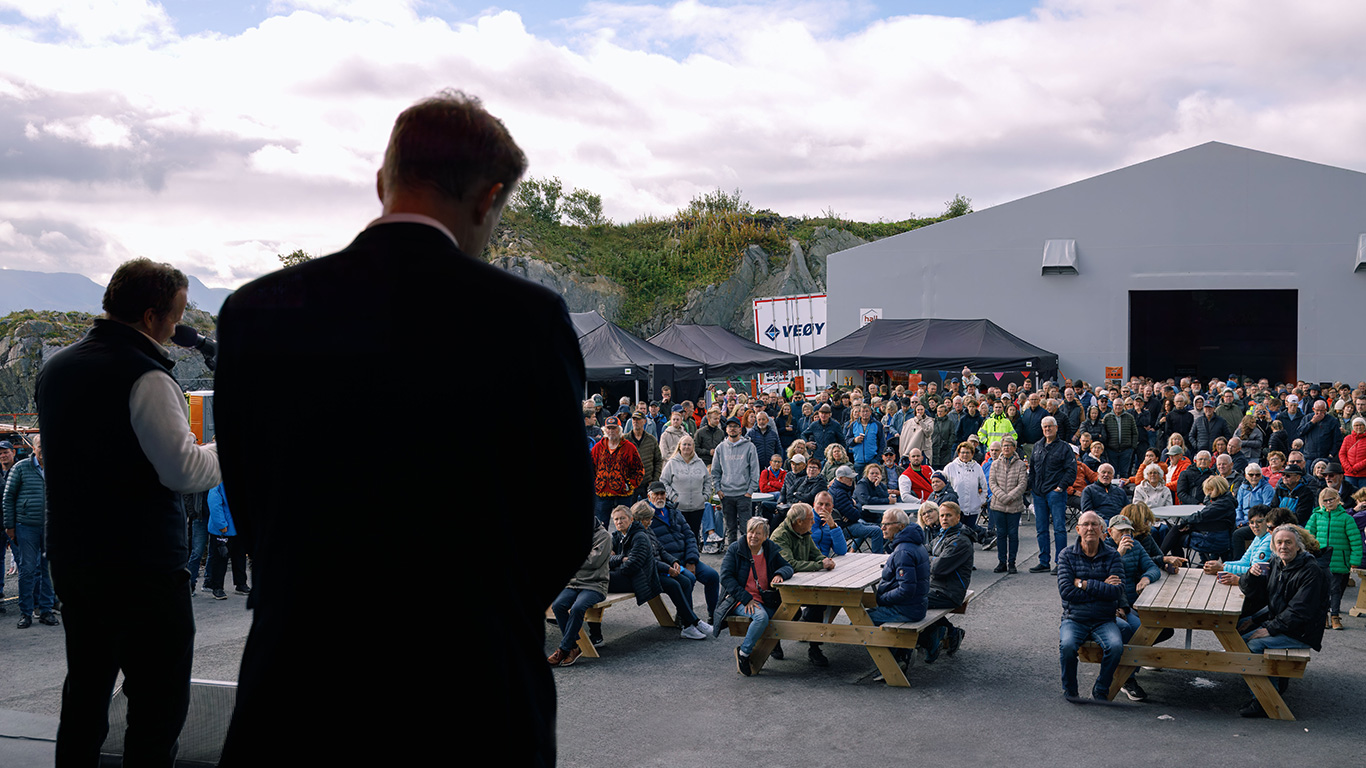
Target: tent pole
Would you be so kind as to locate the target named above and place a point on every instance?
(637, 393)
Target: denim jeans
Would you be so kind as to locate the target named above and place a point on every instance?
(569, 609)
(1122, 460)
(199, 540)
(34, 583)
(1007, 525)
(1128, 625)
(758, 622)
(711, 584)
(673, 587)
(1051, 505)
(885, 613)
(860, 530)
(1071, 635)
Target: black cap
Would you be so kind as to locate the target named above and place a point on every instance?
(657, 487)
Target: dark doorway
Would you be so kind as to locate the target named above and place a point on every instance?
(1214, 333)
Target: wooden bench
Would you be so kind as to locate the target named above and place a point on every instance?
(594, 615)
(896, 634)
(1360, 608)
(1284, 662)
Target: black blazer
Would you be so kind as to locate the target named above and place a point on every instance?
(352, 394)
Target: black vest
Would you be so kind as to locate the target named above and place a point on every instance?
(106, 506)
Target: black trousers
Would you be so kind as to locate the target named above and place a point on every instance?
(218, 562)
(153, 645)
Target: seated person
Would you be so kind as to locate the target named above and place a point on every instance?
(1259, 551)
(950, 575)
(750, 574)
(1210, 531)
(1139, 572)
(1152, 489)
(1091, 583)
(585, 590)
(902, 592)
(846, 510)
(1289, 595)
(803, 482)
(943, 491)
(871, 490)
(771, 480)
(914, 481)
(1104, 497)
(672, 582)
(677, 540)
(810, 542)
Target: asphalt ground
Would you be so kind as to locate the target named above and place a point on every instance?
(656, 699)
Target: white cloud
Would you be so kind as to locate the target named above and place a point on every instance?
(225, 150)
(94, 21)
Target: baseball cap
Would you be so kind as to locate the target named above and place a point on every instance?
(1292, 469)
(798, 458)
(1121, 522)
(846, 471)
(733, 420)
(612, 421)
(638, 415)
(657, 487)
(6, 444)
(1292, 399)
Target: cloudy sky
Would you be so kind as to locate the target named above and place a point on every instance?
(215, 134)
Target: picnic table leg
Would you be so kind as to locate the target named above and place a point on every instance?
(1261, 685)
(765, 646)
(882, 657)
(1143, 637)
(593, 615)
(662, 614)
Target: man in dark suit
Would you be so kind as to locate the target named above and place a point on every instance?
(452, 650)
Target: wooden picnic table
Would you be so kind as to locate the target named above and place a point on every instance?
(1190, 600)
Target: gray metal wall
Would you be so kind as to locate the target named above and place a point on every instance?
(1211, 217)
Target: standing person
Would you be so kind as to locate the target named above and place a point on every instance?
(448, 170)
(25, 512)
(197, 515)
(687, 484)
(672, 434)
(618, 471)
(735, 475)
(970, 483)
(1009, 479)
(226, 547)
(1052, 470)
(765, 437)
(6, 464)
(710, 435)
(864, 438)
(941, 443)
(1334, 527)
(1122, 433)
(116, 383)
(647, 447)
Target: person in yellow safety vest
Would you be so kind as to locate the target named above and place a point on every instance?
(996, 426)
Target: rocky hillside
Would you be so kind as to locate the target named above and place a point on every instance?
(27, 338)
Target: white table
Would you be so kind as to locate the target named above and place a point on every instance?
(758, 497)
(1179, 510)
(908, 506)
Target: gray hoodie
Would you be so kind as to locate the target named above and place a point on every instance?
(687, 483)
(735, 467)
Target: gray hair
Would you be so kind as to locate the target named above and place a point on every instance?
(642, 512)
(756, 522)
(1047, 420)
(1202, 453)
(902, 519)
(1295, 529)
(800, 511)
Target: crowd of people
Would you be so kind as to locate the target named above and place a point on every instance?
(1245, 453)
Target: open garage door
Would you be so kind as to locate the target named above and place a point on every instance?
(1214, 333)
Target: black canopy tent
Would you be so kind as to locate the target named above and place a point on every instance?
(613, 356)
(585, 322)
(936, 345)
(724, 353)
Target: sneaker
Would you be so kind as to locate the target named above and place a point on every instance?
(1040, 568)
(219, 594)
(742, 664)
(954, 640)
(1053, 571)
(1070, 696)
(595, 635)
(48, 619)
(1337, 622)
(1252, 709)
(991, 544)
(1000, 568)
(243, 590)
(1010, 568)
(704, 627)
(817, 656)
(692, 633)
(777, 651)
(571, 657)
(25, 621)
(905, 658)
(931, 658)
(206, 588)
(1327, 622)
(557, 658)
(1134, 691)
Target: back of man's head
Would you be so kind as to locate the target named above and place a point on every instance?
(448, 143)
(140, 285)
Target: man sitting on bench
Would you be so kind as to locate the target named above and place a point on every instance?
(950, 575)
(901, 592)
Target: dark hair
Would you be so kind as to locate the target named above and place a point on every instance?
(1259, 510)
(140, 285)
(449, 143)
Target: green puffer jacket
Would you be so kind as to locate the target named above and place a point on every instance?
(1336, 529)
(24, 501)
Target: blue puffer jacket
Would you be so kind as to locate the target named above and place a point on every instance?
(220, 519)
(905, 579)
(1137, 564)
(766, 443)
(1098, 601)
(846, 510)
(675, 537)
(1250, 496)
(25, 500)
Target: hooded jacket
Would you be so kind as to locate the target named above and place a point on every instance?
(735, 467)
(687, 483)
(593, 573)
(800, 550)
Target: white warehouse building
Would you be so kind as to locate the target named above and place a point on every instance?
(1209, 261)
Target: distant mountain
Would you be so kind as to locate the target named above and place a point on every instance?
(68, 292)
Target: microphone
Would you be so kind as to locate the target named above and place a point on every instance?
(188, 337)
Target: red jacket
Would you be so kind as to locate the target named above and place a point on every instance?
(1352, 455)
(770, 483)
(619, 472)
(920, 481)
